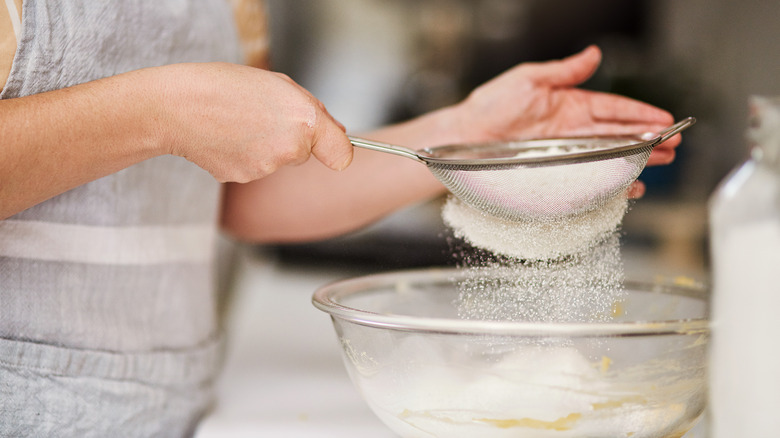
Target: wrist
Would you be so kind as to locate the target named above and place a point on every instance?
(436, 128)
(158, 133)
(447, 126)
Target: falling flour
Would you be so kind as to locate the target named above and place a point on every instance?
(561, 269)
(534, 239)
(585, 287)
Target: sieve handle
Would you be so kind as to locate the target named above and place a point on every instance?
(384, 147)
(682, 125)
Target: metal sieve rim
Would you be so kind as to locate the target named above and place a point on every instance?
(637, 144)
(433, 156)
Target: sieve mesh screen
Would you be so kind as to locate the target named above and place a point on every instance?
(543, 191)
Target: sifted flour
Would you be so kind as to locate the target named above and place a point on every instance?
(585, 287)
(534, 239)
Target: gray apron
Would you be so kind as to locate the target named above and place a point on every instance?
(108, 325)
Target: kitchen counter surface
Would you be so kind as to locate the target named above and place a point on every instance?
(284, 376)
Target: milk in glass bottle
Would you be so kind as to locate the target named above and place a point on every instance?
(745, 237)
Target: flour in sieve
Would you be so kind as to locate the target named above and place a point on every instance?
(543, 192)
(534, 239)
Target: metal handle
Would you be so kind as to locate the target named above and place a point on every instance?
(384, 147)
(667, 133)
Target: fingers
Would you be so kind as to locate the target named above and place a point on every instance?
(567, 72)
(636, 190)
(661, 156)
(605, 107)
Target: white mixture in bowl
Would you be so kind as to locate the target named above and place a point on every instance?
(535, 392)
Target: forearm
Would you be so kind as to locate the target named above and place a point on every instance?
(56, 141)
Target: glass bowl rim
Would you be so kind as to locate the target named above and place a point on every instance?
(326, 298)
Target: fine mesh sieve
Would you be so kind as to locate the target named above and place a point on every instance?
(537, 179)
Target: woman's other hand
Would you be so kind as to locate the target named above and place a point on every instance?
(540, 100)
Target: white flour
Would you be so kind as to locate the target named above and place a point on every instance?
(563, 270)
(566, 208)
(545, 192)
(559, 263)
(585, 287)
(534, 239)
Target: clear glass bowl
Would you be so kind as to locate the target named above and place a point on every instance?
(425, 372)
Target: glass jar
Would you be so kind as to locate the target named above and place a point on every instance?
(745, 237)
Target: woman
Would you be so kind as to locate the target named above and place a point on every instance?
(119, 121)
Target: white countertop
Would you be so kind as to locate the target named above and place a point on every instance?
(284, 375)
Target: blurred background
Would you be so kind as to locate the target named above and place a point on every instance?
(378, 61)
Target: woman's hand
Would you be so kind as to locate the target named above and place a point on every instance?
(241, 123)
(539, 100)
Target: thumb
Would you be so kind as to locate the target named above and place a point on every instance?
(333, 148)
(567, 72)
